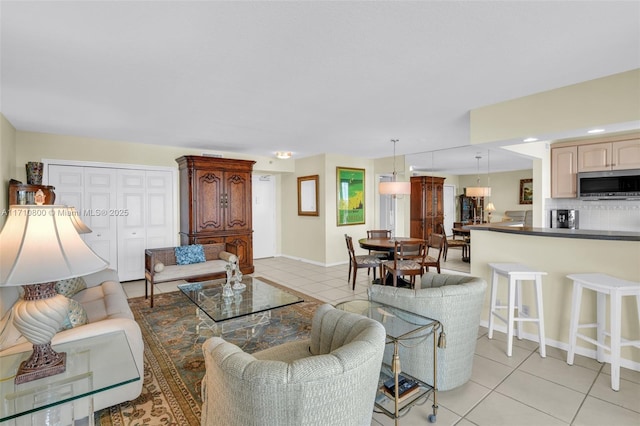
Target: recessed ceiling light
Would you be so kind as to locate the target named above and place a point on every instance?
(530, 140)
(283, 155)
(595, 131)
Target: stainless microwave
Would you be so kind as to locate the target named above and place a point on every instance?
(609, 185)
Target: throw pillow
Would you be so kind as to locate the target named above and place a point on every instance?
(76, 316)
(159, 267)
(186, 255)
(71, 286)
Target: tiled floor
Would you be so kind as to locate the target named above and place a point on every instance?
(522, 390)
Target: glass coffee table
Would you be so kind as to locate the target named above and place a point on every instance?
(247, 308)
(402, 328)
(94, 364)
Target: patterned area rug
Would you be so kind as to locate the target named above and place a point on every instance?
(173, 360)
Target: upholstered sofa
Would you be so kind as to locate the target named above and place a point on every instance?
(329, 379)
(454, 300)
(161, 265)
(107, 309)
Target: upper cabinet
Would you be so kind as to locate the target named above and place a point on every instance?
(564, 169)
(569, 158)
(619, 155)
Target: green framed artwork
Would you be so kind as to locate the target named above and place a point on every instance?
(350, 196)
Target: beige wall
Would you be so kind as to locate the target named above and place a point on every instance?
(31, 146)
(505, 190)
(7, 162)
(609, 100)
(560, 257)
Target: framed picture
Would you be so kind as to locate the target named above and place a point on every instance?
(350, 196)
(308, 196)
(526, 191)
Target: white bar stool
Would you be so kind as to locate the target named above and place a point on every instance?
(616, 289)
(516, 273)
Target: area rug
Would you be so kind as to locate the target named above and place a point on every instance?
(173, 360)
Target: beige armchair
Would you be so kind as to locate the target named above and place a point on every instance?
(329, 379)
(454, 300)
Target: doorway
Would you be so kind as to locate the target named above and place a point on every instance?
(264, 215)
(449, 206)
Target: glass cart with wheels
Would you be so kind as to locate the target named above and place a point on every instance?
(402, 328)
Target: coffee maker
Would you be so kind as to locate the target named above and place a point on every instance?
(564, 218)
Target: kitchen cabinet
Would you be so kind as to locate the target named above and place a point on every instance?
(564, 170)
(619, 155)
(427, 209)
(619, 152)
(215, 204)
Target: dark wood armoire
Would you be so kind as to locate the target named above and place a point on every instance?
(215, 204)
(427, 211)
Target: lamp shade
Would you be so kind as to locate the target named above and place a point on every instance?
(478, 191)
(78, 223)
(490, 208)
(40, 244)
(395, 188)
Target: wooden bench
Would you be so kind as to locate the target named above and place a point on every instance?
(160, 265)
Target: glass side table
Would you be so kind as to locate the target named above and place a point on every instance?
(94, 364)
(402, 327)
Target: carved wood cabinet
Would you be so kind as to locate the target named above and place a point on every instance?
(20, 193)
(215, 204)
(427, 208)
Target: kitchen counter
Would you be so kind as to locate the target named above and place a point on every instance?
(560, 252)
(560, 232)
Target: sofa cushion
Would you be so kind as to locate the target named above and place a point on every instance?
(105, 301)
(186, 255)
(70, 287)
(76, 316)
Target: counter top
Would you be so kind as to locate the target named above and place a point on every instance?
(560, 232)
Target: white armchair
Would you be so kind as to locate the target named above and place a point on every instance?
(329, 379)
(454, 300)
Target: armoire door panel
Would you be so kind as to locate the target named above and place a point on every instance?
(237, 208)
(208, 200)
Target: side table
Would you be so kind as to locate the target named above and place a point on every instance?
(402, 327)
(94, 364)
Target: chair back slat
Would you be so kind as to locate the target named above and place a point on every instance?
(378, 233)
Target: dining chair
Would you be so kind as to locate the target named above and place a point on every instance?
(379, 233)
(408, 259)
(436, 241)
(361, 261)
(452, 242)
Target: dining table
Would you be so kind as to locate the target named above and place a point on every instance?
(386, 244)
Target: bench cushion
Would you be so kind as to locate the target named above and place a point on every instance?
(180, 272)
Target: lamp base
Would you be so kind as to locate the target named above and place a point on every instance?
(43, 362)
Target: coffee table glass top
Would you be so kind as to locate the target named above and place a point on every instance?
(258, 296)
(94, 364)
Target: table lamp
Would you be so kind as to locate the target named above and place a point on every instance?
(40, 245)
(490, 209)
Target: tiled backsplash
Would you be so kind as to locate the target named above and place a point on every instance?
(600, 215)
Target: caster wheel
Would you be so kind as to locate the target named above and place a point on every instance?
(432, 418)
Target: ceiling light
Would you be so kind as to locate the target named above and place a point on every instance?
(478, 191)
(530, 140)
(283, 155)
(394, 187)
(592, 131)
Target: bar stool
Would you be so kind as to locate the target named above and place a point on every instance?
(516, 273)
(616, 289)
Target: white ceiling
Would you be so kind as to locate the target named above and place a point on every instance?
(307, 77)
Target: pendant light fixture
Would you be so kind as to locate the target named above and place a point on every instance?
(478, 191)
(394, 187)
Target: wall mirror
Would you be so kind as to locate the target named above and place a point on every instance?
(308, 196)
